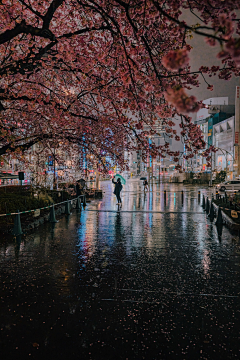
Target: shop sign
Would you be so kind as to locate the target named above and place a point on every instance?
(236, 154)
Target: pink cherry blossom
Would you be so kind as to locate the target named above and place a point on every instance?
(181, 101)
(176, 59)
(233, 48)
(224, 25)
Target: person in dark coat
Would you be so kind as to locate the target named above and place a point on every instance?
(145, 184)
(117, 190)
(78, 191)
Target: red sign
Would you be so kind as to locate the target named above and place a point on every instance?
(236, 137)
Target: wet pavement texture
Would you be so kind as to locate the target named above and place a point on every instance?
(155, 280)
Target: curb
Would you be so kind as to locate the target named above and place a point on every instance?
(226, 219)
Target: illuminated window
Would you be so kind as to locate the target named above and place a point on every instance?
(219, 160)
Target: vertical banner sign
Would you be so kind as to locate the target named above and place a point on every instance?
(236, 137)
(210, 129)
(236, 154)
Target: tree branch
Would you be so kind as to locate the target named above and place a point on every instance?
(23, 28)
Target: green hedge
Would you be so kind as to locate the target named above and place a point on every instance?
(10, 203)
(23, 199)
(58, 196)
(16, 189)
(65, 185)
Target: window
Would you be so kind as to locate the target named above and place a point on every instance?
(219, 160)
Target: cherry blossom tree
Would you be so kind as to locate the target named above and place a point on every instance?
(98, 74)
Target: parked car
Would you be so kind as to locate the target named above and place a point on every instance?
(229, 185)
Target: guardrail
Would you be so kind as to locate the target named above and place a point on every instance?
(17, 228)
(224, 209)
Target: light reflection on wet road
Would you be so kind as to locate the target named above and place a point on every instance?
(123, 285)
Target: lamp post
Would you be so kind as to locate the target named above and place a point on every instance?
(54, 169)
(211, 174)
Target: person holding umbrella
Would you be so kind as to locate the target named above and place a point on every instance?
(117, 189)
(145, 183)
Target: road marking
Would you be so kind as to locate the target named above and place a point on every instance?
(180, 293)
(148, 211)
(172, 293)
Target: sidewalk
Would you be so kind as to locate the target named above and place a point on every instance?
(135, 284)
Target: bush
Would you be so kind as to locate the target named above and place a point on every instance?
(221, 175)
(23, 199)
(10, 203)
(58, 196)
(16, 189)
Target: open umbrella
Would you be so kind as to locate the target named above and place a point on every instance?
(118, 176)
(143, 178)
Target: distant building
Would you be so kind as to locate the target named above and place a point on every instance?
(223, 140)
(159, 166)
(209, 119)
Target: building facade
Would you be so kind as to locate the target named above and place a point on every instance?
(223, 140)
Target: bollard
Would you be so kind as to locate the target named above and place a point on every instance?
(219, 231)
(203, 203)
(217, 195)
(52, 217)
(17, 229)
(199, 196)
(165, 195)
(226, 197)
(212, 197)
(219, 221)
(211, 213)
(67, 208)
(207, 206)
(182, 196)
(78, 204)
(84, 201)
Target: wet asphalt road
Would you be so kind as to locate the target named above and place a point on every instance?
(153, 281)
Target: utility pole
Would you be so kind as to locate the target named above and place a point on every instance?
(237, 129)
(211, 174)
(159, 169)
(54, 170)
